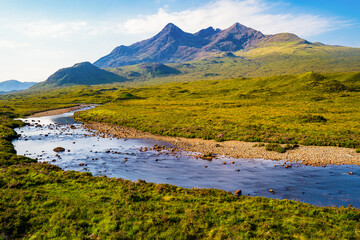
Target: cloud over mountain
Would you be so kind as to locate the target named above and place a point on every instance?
(258, 14)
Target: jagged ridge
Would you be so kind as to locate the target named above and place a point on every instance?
(174, 45)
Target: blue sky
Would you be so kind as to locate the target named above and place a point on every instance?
(40, 36)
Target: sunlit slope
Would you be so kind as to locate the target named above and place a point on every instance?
(266, 59)
(308, 109)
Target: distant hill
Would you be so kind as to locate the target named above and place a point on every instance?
(173, 45)
(14, 85)
(80, 74)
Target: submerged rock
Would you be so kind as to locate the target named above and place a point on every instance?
(59, 149)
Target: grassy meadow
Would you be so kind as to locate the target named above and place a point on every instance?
(41, 201)
(307, 109)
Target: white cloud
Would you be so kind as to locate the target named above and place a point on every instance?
(52, 29)
(12, 45)
(257, 14)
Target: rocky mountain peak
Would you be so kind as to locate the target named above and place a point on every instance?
(172, 44)
(208, 32)
(171, 29)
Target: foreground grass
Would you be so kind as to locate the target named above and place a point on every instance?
(42, 201)
(308, 109)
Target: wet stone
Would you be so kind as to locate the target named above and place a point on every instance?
(59, 149)
(237, 193)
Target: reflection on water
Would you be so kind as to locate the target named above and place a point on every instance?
(122, 158)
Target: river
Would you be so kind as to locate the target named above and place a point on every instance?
(85, 151)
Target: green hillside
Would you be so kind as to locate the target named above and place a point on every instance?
(266, 59)
(80, 74)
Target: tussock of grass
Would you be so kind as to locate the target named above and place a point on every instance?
(275, 147)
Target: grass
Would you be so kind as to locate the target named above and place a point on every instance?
(41, 201)
(307, 109)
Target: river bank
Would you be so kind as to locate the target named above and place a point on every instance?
(307, 155)
(59, 111)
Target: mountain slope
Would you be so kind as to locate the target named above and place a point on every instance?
(14, 85)
(267, 59)
(169, 45)
(234, 38)
(80, 74)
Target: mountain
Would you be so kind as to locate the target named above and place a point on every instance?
(170, 45)
(80, 74)
(237, 51)
(234, 38)
(173, 45)
(14, 85)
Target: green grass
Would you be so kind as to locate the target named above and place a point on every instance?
(41, 201)
(308, 109)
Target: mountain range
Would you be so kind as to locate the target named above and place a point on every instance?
(14, 85)
(174, 45)
(238, 51)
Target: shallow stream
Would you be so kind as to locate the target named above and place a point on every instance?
(123, 158)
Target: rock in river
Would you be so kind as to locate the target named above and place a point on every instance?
(237, 193)
(59, 149)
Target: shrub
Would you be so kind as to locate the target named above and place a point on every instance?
(275, 147)
(312, 118)
(126, 95)
(291, 146)
(333, 86)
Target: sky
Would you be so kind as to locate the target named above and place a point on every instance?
(38, 37)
